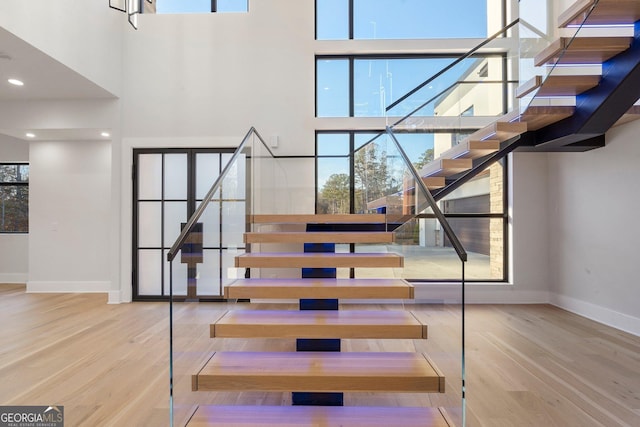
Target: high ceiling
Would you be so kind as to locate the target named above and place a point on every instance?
(44, 79)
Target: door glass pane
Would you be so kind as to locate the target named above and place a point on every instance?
(180, 276)
(207, 170)
(150, 224)
(175, 213)
(210, 220)
(149, 272)
(150, 176)
(175, 176)
(233, 186)
(233, 220)
(209, 274)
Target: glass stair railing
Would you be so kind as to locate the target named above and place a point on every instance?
(478, 109)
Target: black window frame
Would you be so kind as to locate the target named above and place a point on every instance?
(16, 184)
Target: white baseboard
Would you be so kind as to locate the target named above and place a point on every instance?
(68, 287)
(114, 297)
(13, 277)
(597, 313)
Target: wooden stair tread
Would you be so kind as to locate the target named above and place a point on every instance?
(319, 372)
(319, 237)
(499, 130)
(538, 117)
(318, 260)
(607, 12)
(378, 324)
(446, 167)
(318, 416)
(317, 219)
(320, 288)
(582, 50)
(567, 85)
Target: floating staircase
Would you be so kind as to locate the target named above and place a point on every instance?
(368, 372)
(319, 371)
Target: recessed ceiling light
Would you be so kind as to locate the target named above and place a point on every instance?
(30, 135)
(105, 134)
(16, 82)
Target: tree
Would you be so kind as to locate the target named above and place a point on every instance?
(425, 158)
(334, 196)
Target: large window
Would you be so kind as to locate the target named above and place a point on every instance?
(14, 198)
(406, 19)
(354, 169)
(366, 86)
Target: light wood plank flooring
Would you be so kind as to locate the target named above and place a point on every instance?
(530, 365)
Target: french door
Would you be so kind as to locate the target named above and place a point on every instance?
(168, 185)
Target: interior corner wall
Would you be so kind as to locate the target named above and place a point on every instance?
(14, 248)
(69, 217)
(594, 233)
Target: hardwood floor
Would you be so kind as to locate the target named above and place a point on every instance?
(528, 365)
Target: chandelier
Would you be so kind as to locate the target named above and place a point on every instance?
(131, 7)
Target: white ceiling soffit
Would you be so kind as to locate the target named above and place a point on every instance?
(43, 76)
(58, 134)
(44, 79)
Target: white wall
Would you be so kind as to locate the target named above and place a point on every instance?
(219, 74)
(70, 217)
(85, 36)
(593, 231)
(14, 248)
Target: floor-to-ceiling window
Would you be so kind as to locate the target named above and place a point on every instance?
(169, 184)
(477, 211)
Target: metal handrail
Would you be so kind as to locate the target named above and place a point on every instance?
(462, 254)
(177, 245)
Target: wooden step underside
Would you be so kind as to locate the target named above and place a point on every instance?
(319, 237)
(319, 372)
(582, 50)
(607, 12)
(375, 324)
(319, 416)
(320, 288)
(319, 260)
(317, 219)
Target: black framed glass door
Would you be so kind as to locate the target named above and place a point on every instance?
(168, 185)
